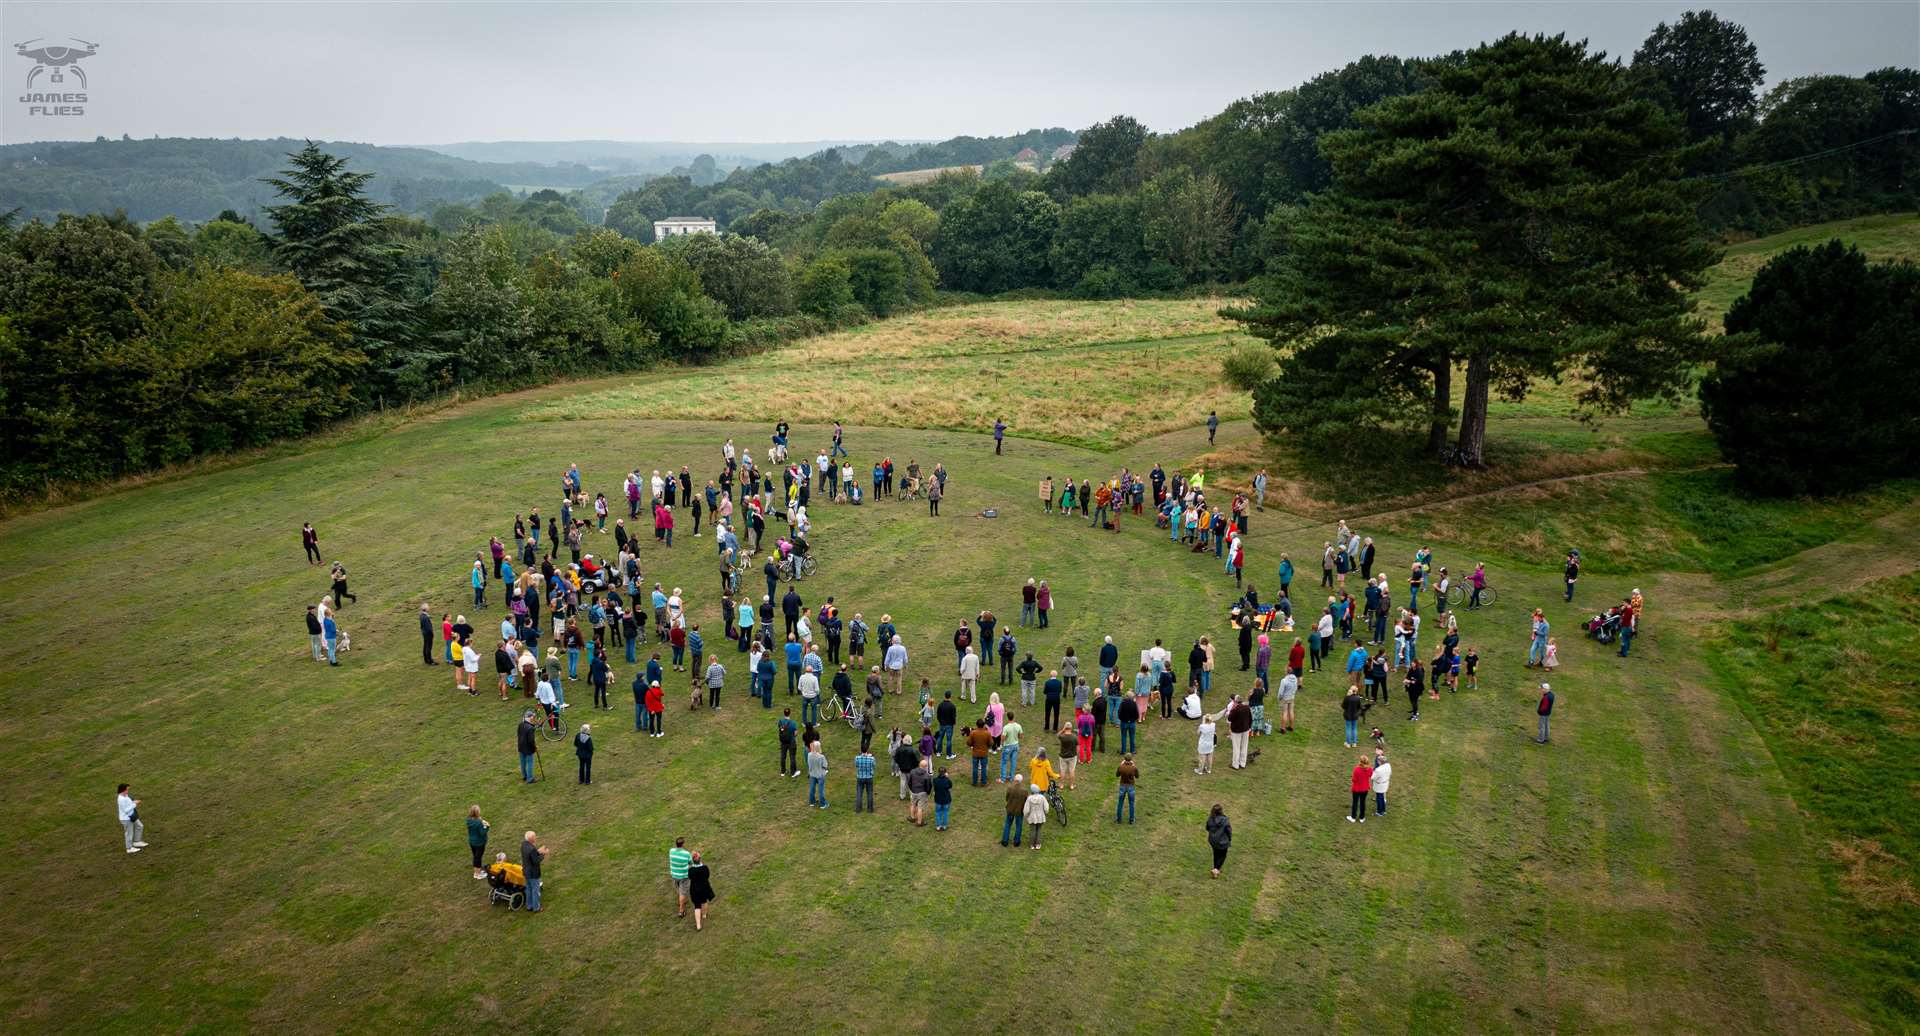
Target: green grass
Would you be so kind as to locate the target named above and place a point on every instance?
(1891, 236)
(1831, 687)
(308, 870)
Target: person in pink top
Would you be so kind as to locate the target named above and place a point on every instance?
(1043, 600)
(996, 717)
(1083, 722)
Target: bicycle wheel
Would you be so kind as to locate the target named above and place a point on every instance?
(1458, 594)
(1060, 809)
(831, 710)
(555, 729)
(807, 565)
(1486, 597)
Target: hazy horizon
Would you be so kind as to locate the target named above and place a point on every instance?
(421, 73)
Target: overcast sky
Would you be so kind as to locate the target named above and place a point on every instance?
(393, 73)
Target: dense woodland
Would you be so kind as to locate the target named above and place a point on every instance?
(1385, 242)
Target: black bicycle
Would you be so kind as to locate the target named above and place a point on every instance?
(1056, 803)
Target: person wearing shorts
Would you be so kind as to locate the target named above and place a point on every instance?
(678, 860)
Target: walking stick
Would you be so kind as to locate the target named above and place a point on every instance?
(540, 761)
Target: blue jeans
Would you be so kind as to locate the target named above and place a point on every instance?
(1626, 639)
(838, 450)
(817, 791)
(526, 767)
(1569, 589)
(533, 894)
(1260, 674)
(630, 651)
(1126, 736)
(559, 697)
(980, 770)
(573, 663)
(1537, 651)
(449, 652)
(1009, 760)
(793, 679)
(1126, 796)
(1402, 652)
(333, 649)
(639, 716)
(1206, 680)
(1353, 732)
(1015, 826)
(1413, 599)
(1026, 612)
(940, 814)
(943, 739)
(679, 653)
(1043, 618)
(809, 710)
(1379, 803)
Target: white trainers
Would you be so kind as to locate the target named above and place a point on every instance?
(139, 845)
(1349, 818)
(130, 851)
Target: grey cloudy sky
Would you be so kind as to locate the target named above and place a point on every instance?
(442, 72)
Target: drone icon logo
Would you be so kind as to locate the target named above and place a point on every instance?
(55, 63)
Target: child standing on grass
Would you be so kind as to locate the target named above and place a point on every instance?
(1552, 660)
(1473, 668)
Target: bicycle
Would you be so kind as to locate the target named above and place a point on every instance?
(805, 565)
(1056, 803)
(554, 728)
(835, 710)
(1461, 595)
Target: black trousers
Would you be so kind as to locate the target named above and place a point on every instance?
(1052, 722)
(1006, 669)
(1219, 856)
(713, 697)
(1100, 737)
(586, 770)
(790, 758)
(600, 697)
(478, 851)
(426, 646)
(313, 553)
(1359, 805)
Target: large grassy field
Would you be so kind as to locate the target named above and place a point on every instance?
(1671, 863)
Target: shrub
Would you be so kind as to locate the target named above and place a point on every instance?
(1248, 366)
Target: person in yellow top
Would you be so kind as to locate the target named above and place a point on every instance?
(508, 872)
(1043, 772)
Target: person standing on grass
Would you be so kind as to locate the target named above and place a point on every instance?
(598, 674)
(524, 741)
(1628, 616)
(1537, 648)
(919, 786)
(999, 434)
(1573, 572)
(679, 861)
(127, 808)
(477, 828)
(946, 715)
(583, 751)
(1009, 750)
(896, 662)
(1239, 731)
(942, 799)
(1382, 777)
(1029, 673)
(1034, 811)
(699, 889)
(716, 679)
(1219, 836)
(1350, 709)
(1043, 601)
(1361, 784)
(863, 767)
(532, 854)
(1206, 733)
(656, 710)
(979, 747)
(936, 488)
(969, 673)
(1545, 711)
(816, 776)
(310, 541)
(1213, 425)
(1416, 682)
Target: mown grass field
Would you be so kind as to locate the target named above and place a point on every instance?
(1684, 856)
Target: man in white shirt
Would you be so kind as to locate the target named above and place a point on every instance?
(1382, 776)
(896, 662)
(130, 825)
(809, 697)
(1289, 686)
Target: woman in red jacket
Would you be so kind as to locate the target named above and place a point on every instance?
(1296, 657)
(1362, 783)
(656, 710)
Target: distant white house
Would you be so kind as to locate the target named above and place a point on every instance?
(677, 225)
(1063, 152)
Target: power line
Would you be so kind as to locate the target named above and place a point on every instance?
(1805, 158)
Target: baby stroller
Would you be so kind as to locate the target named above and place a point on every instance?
(1604, 627)
(506, 884)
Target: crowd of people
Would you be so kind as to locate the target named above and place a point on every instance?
(597, 608)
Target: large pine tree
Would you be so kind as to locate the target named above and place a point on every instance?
(1522, 218)
(339, 243)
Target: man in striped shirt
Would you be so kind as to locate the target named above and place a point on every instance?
(863, 780)
(678, 860)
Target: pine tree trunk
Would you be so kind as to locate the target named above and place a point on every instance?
(1442, 406)
(1473, 413)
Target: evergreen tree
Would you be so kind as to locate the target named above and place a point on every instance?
(1792, 401)
(1522, 217)
(338, 243)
